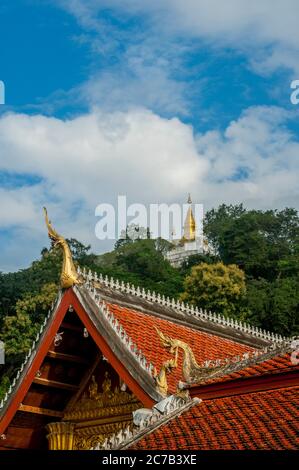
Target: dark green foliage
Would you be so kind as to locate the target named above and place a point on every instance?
(4, 384)
(142, 263)
(194, 260)
(274, 305)
(14, 285)
(19, 330)
(264, 244)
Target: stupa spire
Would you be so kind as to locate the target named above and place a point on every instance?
(189, 225)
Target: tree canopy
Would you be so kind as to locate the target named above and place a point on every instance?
(264, 244)
(216, 287)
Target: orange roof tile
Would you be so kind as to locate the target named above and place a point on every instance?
(140, 327)
(261, 420)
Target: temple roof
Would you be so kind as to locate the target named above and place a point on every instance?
(252, 421)
(251, 412)
(124, 320)
(205, 381)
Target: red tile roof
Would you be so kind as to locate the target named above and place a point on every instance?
(261, 420)
(140, 327)
(278, 364)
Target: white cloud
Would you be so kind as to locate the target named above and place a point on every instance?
(134, 83)
(91, 159)
(88, 160)
(267, 31)
(257, 145)
(120, 149)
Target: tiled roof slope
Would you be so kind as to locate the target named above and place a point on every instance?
(140, 327)
(255, 421)
(276, 365)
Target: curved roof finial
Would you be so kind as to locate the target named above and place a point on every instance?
(69, 275)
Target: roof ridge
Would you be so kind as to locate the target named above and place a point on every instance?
(30, 354)
(249, 358)
(121, 332)
(172, 407)
(180, 306)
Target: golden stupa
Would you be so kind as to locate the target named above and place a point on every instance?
(189, 225)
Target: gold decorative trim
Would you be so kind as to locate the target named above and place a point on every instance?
(100, 404)
(84, 440)
(61, 436)
(93, 418)
(161, 378)
(86, 443)
(84, 414)
(191, 370)
(87, 429)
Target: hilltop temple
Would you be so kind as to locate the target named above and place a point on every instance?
(116, 367)
(191, 242)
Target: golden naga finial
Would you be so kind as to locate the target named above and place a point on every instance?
(167, 366)
(161, 378)
(191, 371)
(69, 275)
(166, 341)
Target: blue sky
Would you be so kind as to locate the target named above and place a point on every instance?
(46, 54)
(39, 55)
(100, 94)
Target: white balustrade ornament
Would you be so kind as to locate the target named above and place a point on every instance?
(181, 307)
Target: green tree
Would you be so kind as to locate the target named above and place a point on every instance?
(264, 244)
(18, 332)
(150, 268)
(36, 306)
(123, 241)
(274, 306)
(163, 246)
(217, 221)
(4, 385)
(194, 260)
(216, 287)
(80, 251)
